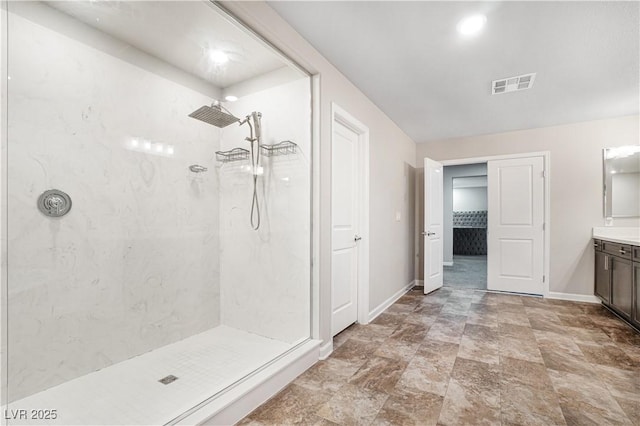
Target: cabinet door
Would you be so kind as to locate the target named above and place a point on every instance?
(621, 284)
(603, 276)
(636, 285)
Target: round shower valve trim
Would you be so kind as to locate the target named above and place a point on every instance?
(54, 203)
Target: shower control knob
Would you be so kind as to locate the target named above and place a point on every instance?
(54, 203)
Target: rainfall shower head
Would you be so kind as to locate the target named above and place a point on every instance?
(215, 115)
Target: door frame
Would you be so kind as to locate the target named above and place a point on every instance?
(341, 116)
(546, 158)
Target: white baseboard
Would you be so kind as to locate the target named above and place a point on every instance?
(588, 298)
(419, 282)
(326, 350)
(246, 396)
(447, 263)
(390, 301)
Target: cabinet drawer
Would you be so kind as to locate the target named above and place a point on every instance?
(597, 245)
(616, 249)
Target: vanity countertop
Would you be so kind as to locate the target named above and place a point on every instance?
(618, 234)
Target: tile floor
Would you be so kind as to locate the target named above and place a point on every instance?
(467, 272)
(465, 357)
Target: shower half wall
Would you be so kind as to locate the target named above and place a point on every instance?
(152, 260)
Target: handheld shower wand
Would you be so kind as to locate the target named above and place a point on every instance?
(254, 138)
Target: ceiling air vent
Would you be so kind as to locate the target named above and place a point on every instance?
(512, 84)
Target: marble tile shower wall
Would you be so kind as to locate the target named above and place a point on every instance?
(265, 274)
(134, 265)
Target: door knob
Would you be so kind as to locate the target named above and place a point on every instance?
(430, 234)
(357, 238)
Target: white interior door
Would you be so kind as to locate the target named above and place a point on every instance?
(344, 222)
(433, 237)
(515, 235)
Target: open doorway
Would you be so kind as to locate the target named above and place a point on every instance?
(465, 226)
(517, 229)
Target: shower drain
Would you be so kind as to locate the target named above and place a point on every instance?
(169, 379)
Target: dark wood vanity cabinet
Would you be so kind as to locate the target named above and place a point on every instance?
(616, 278)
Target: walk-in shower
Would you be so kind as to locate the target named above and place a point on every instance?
(135, 288)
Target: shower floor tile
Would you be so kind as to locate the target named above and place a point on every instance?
(130, 392)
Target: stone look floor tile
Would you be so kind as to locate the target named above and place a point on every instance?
(546, 314)
(631, 408)
(405, 407)
(379, 374)
(354, 351)
(389, 320)
(400, 308)
(424, 319)
(447, 328)
(525, 405)
(514, 331)
(525, 373)
(483, 318)
(397, 349)
(410, 333)
(353, 405)
(328, 375)
(584, 400)
(557, 343)
(579, 321)
(610, 355)
(371, 332)
(426, 375)
(482, 308)
(550, 326)
(473, 395)
(562, 361)
(465, 357)
(293, 405)
(526, 350)
(621, 383)
(479, 350)
(536, 302)
(589, 336)
(513, 318)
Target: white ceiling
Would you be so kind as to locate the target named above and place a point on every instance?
(180, 33)
(409, 60)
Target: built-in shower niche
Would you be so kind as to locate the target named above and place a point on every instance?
(127, 288)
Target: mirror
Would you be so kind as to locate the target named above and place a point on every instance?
(622, 181)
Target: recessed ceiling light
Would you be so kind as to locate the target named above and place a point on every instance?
(471, 25)
(218, 56)
(230, 98)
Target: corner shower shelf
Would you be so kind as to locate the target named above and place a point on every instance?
(282, 148)
(235, 154)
